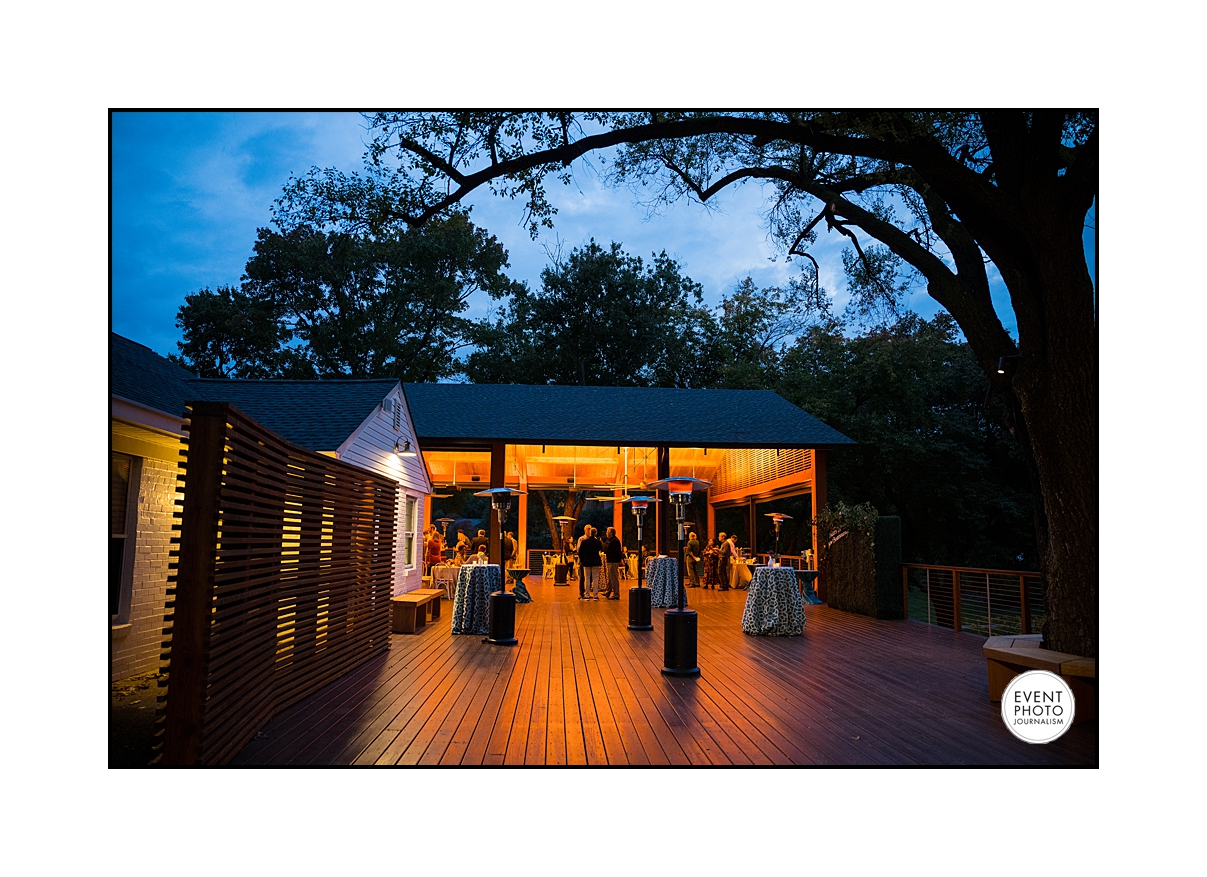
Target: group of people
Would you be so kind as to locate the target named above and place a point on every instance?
(596, 555)
(716, 558)
(466, 550)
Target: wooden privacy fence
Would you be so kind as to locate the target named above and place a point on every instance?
(990, 602)
(282, 581)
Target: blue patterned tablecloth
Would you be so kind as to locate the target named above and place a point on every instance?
(471, 601)
(662, 578)
(774, 606)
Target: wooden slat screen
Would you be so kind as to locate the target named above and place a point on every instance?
(746, 467)
(282, 581)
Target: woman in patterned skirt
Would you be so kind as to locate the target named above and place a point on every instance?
(711, 551)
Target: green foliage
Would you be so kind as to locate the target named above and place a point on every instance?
(336, 304)
(601, 318)
(912, 395)
(846, 556)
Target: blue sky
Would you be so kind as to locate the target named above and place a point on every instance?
(190, 190)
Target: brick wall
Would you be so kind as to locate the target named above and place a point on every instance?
(136, 647)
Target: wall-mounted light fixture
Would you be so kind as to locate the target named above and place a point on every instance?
(1001, 362)
(404, 449)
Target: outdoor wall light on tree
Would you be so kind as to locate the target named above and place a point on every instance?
(679, 646)
(925, 198)
(502, 603)
(639, 597)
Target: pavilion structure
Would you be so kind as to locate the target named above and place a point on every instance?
(752, 445)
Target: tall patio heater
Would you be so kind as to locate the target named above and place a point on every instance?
(679, 646)
(444, 522)
(564, 521)
(502, 604)
(777, 518)
(639, 597)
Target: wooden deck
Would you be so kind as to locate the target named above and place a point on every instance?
(580, 688)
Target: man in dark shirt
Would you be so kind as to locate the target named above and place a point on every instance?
(479, 541)
(589, 549)
(614, 554)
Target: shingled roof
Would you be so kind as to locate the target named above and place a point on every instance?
(314, 414)
(141, 375)
(321, 414)
(464, 414)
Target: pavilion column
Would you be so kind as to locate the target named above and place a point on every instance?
(752, 513)
(712, 518)
(662, 536)
(819, 503)
(618, 513)
(498, 472)
(522, 528)
(427, 516)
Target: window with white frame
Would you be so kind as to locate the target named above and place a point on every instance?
(410, 536)
(123, 502)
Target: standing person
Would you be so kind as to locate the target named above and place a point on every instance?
(479, 541)
(508, 548)
(614, 555)
(692, 559)
(589, 550)
(711, 556)
(434, 548)
(724, 562)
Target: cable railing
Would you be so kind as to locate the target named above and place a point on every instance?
(988, 602)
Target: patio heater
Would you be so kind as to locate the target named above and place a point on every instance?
(444, 522)
(679, 647)
(502, 604)
(639, 597)
(564, 521)
(777, 518)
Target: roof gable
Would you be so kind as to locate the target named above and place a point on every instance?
(316, 414)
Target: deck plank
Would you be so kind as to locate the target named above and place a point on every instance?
(582, 689)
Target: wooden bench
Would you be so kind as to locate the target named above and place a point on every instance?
(1008, 656)
(411, 611)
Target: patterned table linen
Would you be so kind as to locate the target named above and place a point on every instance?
(520, 590)
(774, 606)
(471, 602)
(662, 578)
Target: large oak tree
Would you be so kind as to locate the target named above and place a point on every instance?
(938, 195)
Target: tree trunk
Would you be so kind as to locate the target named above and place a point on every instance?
(1056, 391)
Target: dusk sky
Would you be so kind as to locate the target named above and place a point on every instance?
(190, 190)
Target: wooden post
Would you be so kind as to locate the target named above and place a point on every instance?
(819, 504)
(665, 518)
(184, 710)
(1022, 595)
(752, 514)
(498, 473)
(712, 518)
(521, 527)
(618, 514)
(958, 621)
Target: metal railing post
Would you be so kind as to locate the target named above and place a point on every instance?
(957, 620)
(988, 606)
(1022, 593)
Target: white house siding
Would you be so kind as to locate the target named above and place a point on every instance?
(136, 645)
(371, 447)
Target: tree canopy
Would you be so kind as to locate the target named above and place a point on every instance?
(928, 197)
(343, 304)
(601, 317)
